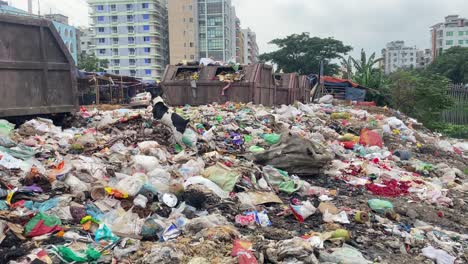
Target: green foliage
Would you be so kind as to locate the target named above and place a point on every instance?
(450, 130)
(347, 64)
(302, 54)
(453, 64)
(91, 63)
(421, 95)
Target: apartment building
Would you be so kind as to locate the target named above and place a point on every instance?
(239, 43)
(202, 29)
(453, 32)
(132, 35)
(398, 56)
(250, 46)
(423, 58)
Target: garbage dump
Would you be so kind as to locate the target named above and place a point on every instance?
(315, 183)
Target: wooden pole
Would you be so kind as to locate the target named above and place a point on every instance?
(121, 90)
(97, 92)
(110, 90)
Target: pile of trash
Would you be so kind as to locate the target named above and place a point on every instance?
(318, 183)
(185, 75)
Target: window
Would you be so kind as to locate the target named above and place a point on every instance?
(191, 20)
(215, 44)
(466, 41)
(449, 34)
(114, 30)
(190, 7)
(145, 16)
(100, 18)
(131, 40)
(102, 40)
(460, 42)
(130, 18)
(115, 40)
(192, 57)
(132, 73)
(449, 42)
(148, 72)
(132, 62)
(147, 50)
(131, 29)
(115, 51)
(145, 5)
(100, 7)
(116, 72)
(146, 27)
(146, 39)
(132, 51)
(101, 30)
(116, 62)
(191, 44)
(102, 51)
(115, 19)
(147, 61)
(113, 8)
(129, 6)
(460, 33)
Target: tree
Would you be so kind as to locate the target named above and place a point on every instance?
(366, 73)
(422, 95)
(453, 64)
(91, 63)
(347, 66)
(302, 54)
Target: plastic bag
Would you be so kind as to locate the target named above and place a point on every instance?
(190, 138)
(370, 138)
(87, 256)
(42, 224)
(131, 185)
(146, 163)
(272, 139)
(104, 233)
(303, 211)
(208, 184)
(6, 127)
(440, 256)
(160, 179)
(192, 168)
(346, 254)
(6, 142)
(327, 99)
(223, 176)
(380, 206)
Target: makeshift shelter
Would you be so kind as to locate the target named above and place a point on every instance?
(104, 88)
(341, 89)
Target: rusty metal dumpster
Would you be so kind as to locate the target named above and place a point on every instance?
(255, 85)
(287, 88)
(304, 89)
(37, 73)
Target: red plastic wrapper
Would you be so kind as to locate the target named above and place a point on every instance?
(392, 188)
(348, 144)
(370, 138)
(243, 251)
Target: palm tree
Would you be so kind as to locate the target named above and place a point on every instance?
(347, 67)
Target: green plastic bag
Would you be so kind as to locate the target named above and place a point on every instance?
(380, 206)
(21, 152)
(256, 149)
(6, 127)
(69, 255)
(225, 178)
(272, 139)
(190, 138)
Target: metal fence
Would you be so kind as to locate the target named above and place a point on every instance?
(458, 114)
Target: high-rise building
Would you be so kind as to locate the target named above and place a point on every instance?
(239, 43)
(132, 35)
(423, 58)
(202, 29)
(85, 40)
(250, 46)
(183, 30)
(453, 32)
(398, 56)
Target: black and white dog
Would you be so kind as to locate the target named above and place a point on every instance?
(167, 117)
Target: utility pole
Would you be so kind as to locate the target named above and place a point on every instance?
(38, 8)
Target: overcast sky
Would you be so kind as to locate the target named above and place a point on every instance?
(367, 24)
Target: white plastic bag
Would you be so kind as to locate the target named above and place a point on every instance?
(146, 163)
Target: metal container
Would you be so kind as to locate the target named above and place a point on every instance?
(37, 72)
(257, 86)
(287, 88)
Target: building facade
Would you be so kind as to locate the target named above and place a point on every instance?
(398, 56)
(66, 32)
(239, 43)
(84, 40)
(132, 35)
(183, 30)
(250, 46)
(202, 29)
(424, 58)
(453, 32)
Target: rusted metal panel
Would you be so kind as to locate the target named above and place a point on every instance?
(257, 86)
(287, 88)
(304, 89)
(37, 73)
